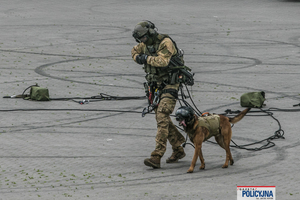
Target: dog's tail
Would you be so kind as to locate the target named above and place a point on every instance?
(239, 116)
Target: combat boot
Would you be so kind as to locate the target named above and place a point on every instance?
(176, 156)
(153, 161)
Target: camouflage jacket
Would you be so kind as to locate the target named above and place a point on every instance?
(159, 55)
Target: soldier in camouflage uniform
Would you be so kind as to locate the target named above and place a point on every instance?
(154, 52)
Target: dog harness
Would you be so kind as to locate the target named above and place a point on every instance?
(211, 122)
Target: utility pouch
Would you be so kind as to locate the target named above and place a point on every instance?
(181, 74)
(186, 77)
(37, 93)
(174, 78)
(151, 78)
(253, 99)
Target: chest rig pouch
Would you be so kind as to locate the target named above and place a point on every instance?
(155, 74)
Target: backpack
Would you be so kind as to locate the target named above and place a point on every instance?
(37, 93)
(253, 99)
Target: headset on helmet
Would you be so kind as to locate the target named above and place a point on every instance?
(151, 26)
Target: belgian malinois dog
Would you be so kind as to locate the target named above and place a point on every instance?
(200, 129)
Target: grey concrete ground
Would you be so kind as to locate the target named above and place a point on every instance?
(82, 48)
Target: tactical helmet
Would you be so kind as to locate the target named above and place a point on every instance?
(144, 28)
(184, 113)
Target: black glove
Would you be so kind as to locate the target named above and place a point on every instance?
(141, 59)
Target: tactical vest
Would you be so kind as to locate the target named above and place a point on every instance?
(211, 122)
(157, 74)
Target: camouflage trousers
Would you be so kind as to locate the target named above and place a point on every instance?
(166, 130)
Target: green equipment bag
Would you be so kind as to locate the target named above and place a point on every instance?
(37, 93)
(253, 99)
